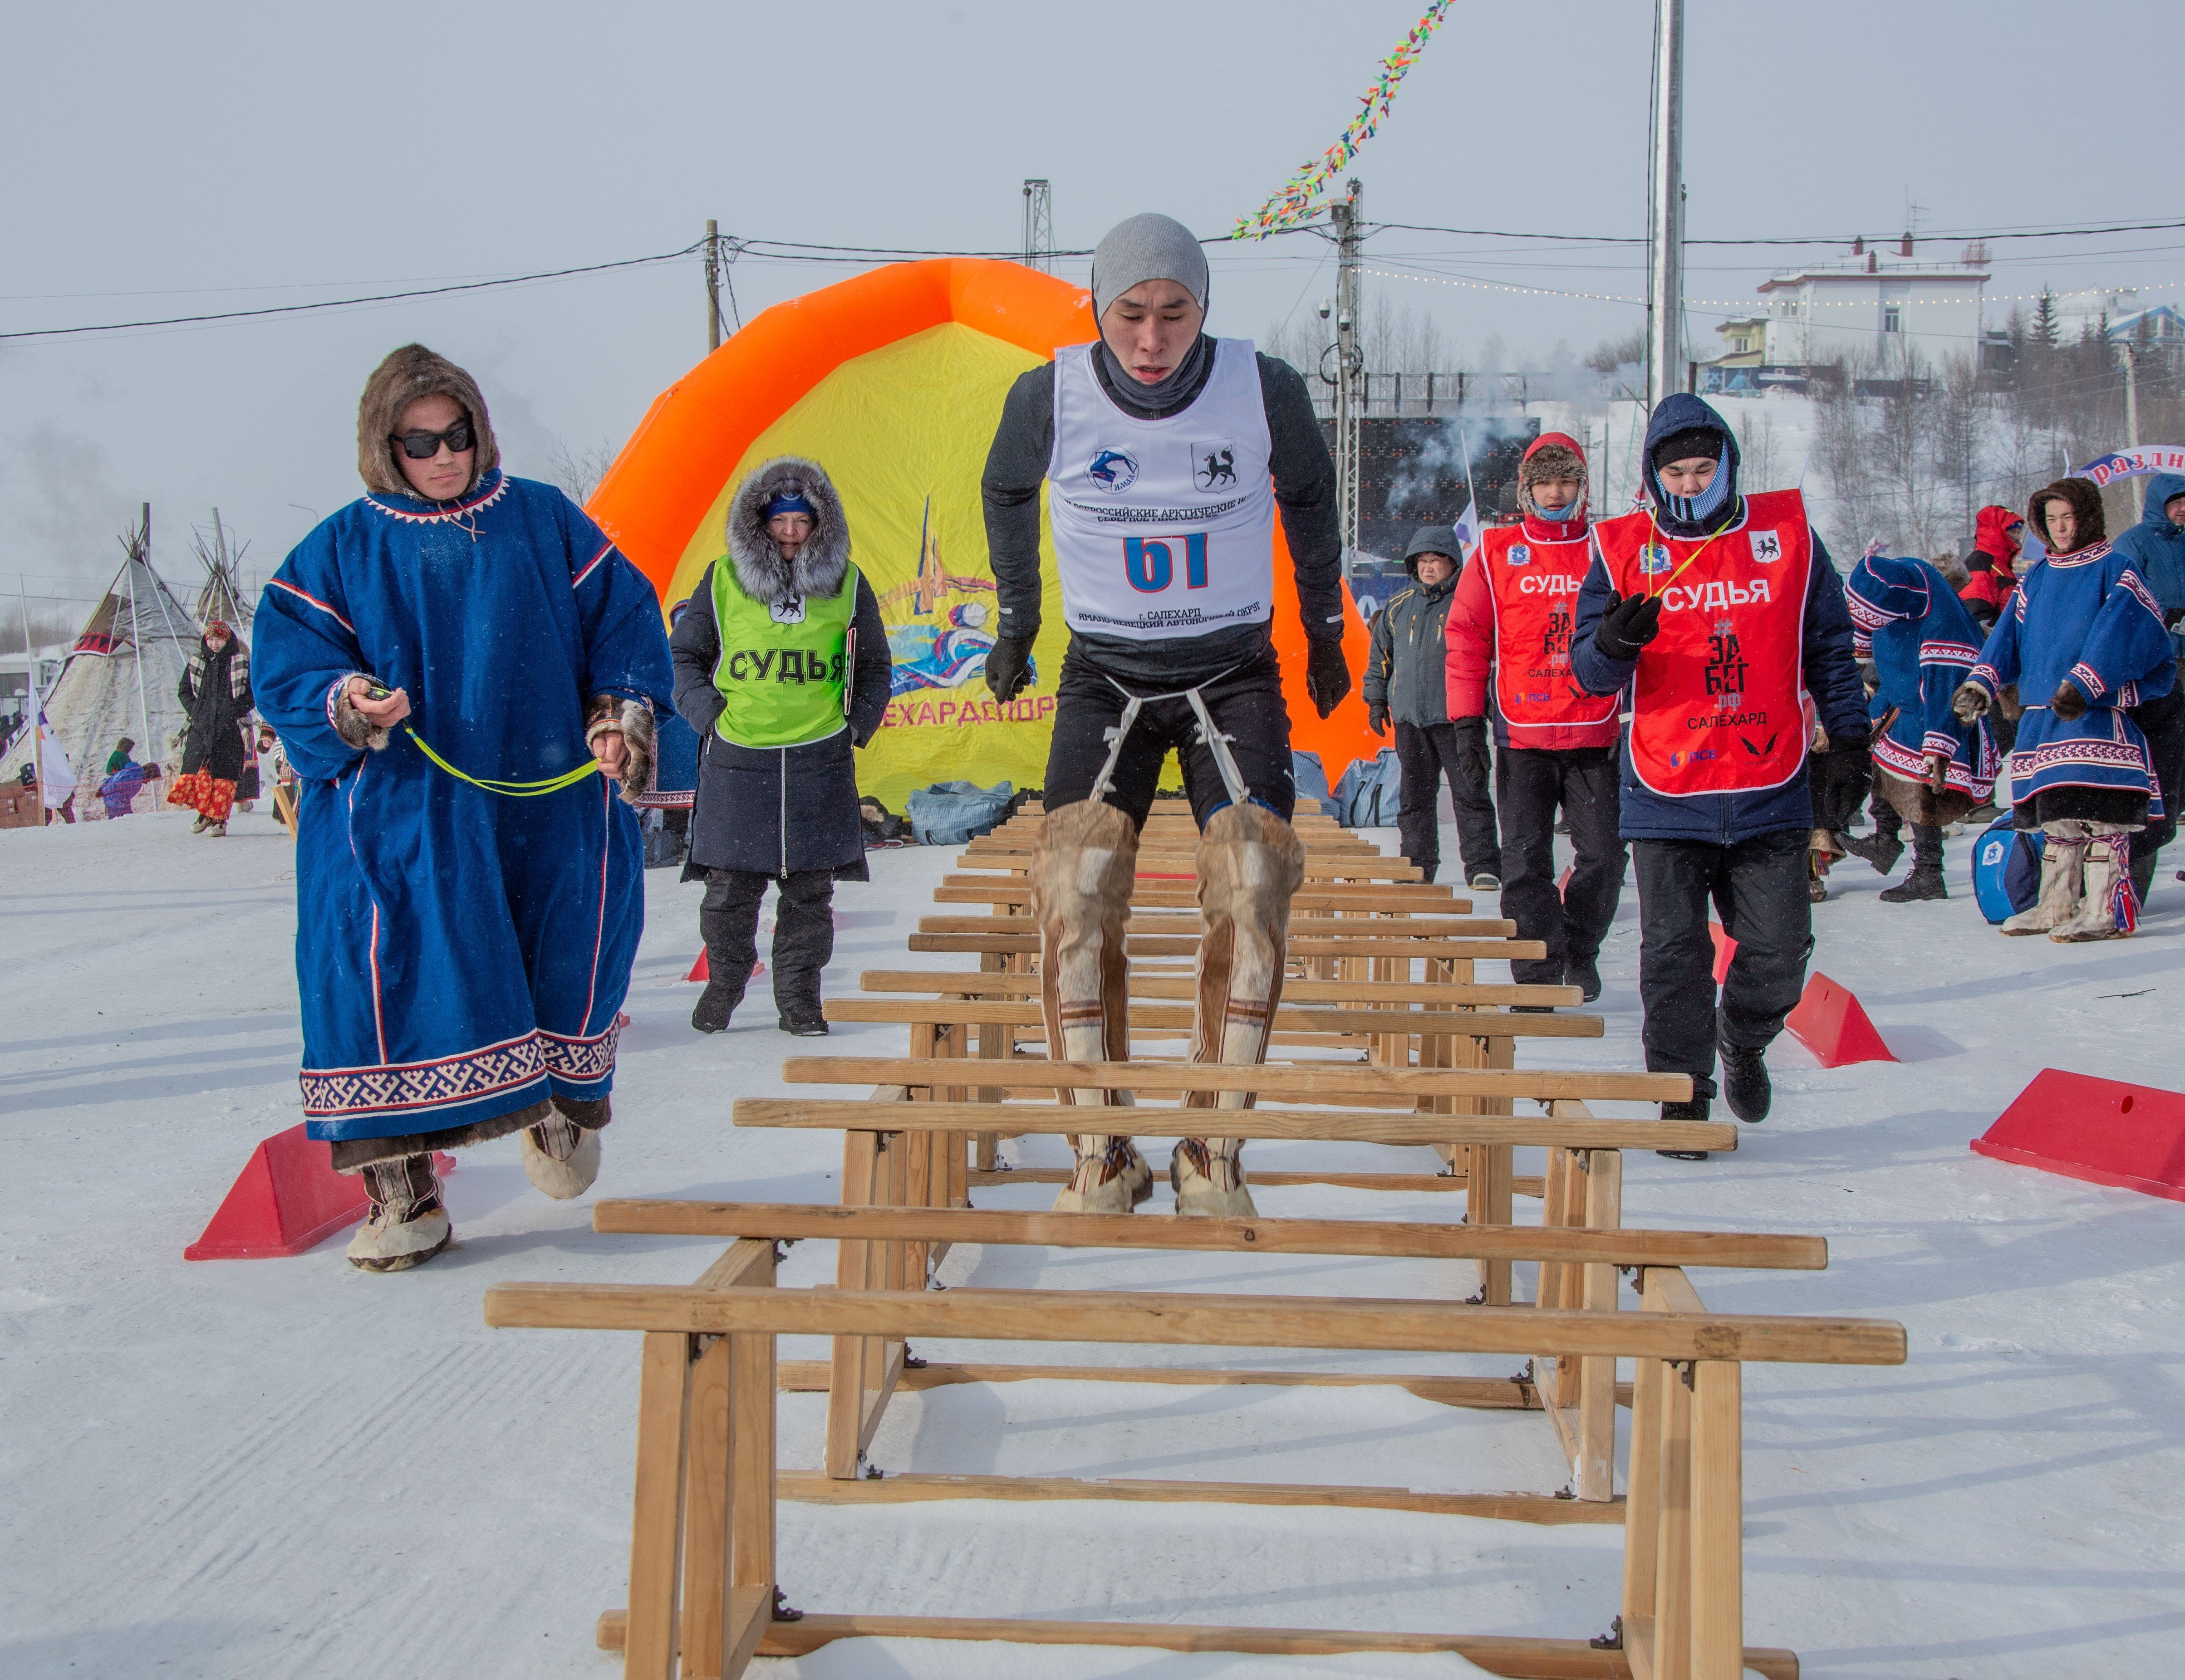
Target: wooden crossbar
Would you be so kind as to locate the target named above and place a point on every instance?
(1174, 1018)
(1055, 1120)
(1187, 945)
(1364, 1325)
(1419, 899)
(1300, 927)
(1294, 1079)
(1365, 868)
(797, 1221)
(986, 983)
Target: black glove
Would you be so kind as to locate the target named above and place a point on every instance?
(1009, 666)
(2069, 704)
(1376, 718)
(1327, 676)
(1629, 624)
(1840, 780)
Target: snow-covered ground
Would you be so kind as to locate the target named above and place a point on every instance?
(291, 1468)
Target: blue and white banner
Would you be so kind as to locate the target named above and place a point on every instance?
(2135, 462)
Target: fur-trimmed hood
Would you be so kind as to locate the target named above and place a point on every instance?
(2085, 501)
(760, 571)
(407, 374)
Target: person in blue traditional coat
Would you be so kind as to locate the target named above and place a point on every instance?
(2156, 548)
(459, 664)
(1930, 767)
(2084, 631)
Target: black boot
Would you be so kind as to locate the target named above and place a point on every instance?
(1925, 881)
(1696, 1109)
(719, 1002)
(2143, 876)
(1584, 974)
(803, 943)
(1881, 848)
(1745, 1083)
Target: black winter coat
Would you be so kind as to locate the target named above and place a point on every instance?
(215, 693)
(777, 811)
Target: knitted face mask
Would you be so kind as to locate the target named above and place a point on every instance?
(1697, 509)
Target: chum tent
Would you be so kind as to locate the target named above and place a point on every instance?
(122, 677)
(893, 382)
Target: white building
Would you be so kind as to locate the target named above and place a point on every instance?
(1866, 311)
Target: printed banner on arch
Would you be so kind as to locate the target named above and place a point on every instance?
(2136, 462)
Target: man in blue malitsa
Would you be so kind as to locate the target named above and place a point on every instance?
(1166, 455)
(2084, 640)
(782, 667)
(461, 668)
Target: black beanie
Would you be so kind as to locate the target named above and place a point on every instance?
(1688, 444)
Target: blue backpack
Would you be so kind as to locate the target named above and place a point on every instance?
(2006, 869)
(1370, 792)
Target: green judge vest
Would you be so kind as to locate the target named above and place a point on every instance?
(784, 666)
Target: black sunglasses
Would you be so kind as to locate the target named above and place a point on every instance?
(424, 445)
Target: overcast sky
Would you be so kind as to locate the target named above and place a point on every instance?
(166, 160)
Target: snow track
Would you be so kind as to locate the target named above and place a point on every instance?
(290, 1468)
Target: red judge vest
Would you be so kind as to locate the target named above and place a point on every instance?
(1719, 701)
(1534, 586)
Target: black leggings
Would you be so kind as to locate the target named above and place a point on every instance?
(1245, 702)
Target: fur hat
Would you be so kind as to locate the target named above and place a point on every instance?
(761, 572)
(1552, 456)
(412, 372)
(2085, 501)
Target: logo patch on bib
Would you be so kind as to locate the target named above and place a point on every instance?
(1519, 554)
(1214, 466)
(790, 611)
(1112, 469)
(1767, 546)
(1654, 559)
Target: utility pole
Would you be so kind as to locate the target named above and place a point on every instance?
(1347, 213)
(1039, 227)
(2130, 405)
(1665, 280)
(713, 285)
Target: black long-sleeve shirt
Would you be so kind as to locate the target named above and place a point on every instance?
(1304, 492)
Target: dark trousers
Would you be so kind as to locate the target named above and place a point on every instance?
(803, 932)
(1530, 785)
(2163, 723)
(1245, 703)
(1759, 887)
(1425, 753)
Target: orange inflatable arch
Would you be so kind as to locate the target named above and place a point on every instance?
(899, 374)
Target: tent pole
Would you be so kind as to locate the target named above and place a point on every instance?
(137, 637)
(37, 704)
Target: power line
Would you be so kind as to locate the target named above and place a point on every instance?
(1812, 239)
(350, 303)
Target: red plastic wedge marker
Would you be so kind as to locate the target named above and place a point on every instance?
(286, 1197)
(2128, 1136)
(1725, 947)
(1829, 1022)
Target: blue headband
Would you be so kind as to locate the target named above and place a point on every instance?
(791, 501)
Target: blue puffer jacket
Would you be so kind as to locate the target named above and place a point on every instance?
(1831, 675)
(2156, 548)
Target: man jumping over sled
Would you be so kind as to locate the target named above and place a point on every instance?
(1168, 453)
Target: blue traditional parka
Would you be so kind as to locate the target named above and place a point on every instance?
(460, 952)
(1923, 642)
(2086, 616)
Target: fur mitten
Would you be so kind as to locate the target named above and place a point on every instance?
(633, 720)
(354, 729)
(1971, 702)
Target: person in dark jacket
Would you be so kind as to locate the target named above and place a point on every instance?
(1722, 611)
(215, 695)
(1405, 680)
(781, 665)
(2156, 548)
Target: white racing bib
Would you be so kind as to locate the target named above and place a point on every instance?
(1162, 527)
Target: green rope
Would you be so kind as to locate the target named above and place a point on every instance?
(568, 779)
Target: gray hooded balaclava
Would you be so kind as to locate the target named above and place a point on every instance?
(1142, 247)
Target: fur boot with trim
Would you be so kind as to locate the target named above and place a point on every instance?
(2107, 908)
(1249, 863)
(560, 1157)
(2062, 859)
(407, 1225)
(1083, 869)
